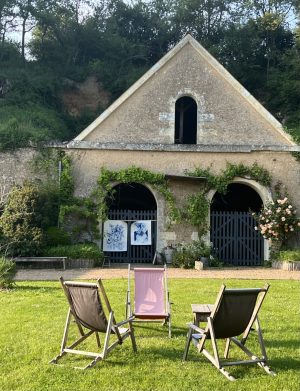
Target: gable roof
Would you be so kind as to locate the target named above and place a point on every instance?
(220, 70)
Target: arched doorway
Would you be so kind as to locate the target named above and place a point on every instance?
(232, 226)
(132, 214)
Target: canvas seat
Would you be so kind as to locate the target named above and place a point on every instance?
(234, 313)
(85, 308)
(151, 296)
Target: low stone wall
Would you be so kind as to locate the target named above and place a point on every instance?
(53, 263)
(290, 266)
(79, 263)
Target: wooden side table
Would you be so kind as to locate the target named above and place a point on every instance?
(201, 312)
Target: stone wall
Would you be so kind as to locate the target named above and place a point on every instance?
(15, 167)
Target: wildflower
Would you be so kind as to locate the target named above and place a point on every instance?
(290, 207)
(282, 218)
(278, 210)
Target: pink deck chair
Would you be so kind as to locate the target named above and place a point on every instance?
(151, 296)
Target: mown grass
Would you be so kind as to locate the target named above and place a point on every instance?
(32, 322)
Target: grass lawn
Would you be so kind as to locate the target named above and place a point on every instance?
(32, 322)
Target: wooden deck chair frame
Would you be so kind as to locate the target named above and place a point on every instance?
(166, 319)
(112, 327)
(209, 333)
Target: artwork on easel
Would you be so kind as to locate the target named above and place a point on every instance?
(140, 233)
(115, 235)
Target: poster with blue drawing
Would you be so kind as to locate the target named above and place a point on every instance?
(140, 233)
(115, 235)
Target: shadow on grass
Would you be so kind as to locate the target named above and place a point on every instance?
(291, 344)
(41, 288)
(158, 328)
(285, 363)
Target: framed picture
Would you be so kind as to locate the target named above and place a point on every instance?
(140, 233)
(115, 235)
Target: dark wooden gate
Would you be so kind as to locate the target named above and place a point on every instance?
(235, 240)
(134, 254)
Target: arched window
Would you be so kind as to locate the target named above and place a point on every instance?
(185, 121)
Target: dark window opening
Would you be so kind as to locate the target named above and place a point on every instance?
(240, 198)
(132, 196)
(185, 121)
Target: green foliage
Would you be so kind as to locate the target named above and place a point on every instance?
(186, 255)
(28, 109)
(7, 273)
(289, 256)
(76, 251)
(104, 190)
(59, 203)
(81, 215)
(221, 181)
(196, 212)
(55, 236)
(21, 221)
(66, 186)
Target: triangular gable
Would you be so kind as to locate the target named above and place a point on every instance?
(218, 69)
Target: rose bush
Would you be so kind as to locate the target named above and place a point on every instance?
(277, 220)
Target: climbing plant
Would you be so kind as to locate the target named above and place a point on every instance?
(196, 211)
(196, 208)
(76, 214)
(104, 191)
(197, 205)
(221, 181)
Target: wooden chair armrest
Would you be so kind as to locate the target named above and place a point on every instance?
(125, 321)
(196, 328)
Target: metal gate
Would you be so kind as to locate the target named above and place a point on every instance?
(134, 254)
(235, 240)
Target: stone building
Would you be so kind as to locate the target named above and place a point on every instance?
(186, 112)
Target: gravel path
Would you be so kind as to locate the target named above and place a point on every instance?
(118, 272)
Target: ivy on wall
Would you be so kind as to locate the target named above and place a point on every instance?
(104, 191)
(56, 166)
(197, 207)
(195, 210)
(221, 181)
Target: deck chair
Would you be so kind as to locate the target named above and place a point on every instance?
(85, 308)
(235, 312)
(151, 296)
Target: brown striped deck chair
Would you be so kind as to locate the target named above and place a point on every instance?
(85, 308)
(234, 314)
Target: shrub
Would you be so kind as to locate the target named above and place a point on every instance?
(77, 251)
(289, 256)
(185, 256)
(7, 273)
(57, 237)
(277, 220)
(21, 221)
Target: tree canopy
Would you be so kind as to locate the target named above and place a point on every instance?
(116, 41)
